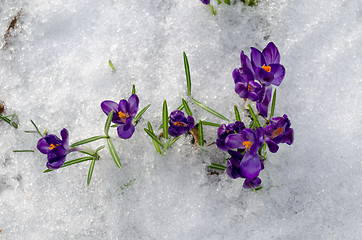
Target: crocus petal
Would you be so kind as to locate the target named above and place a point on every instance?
(220, 144)
(273, 147)
(108, 106)
(234, 140)
(262, 107)
(250, 165)
(241, 90)
(123, 106)
(271, 54)
(55, 161)
(133, 102)
(205, 2)
(279, 72)
(249, 134)
(233, 168)
(65, 136)
(235, 154)
(257, 58)
(43, 146)
(173, 131)
(125, 131)
(177, 116)
(264, 76)
(60, 151)
(252, 184)
(221, 130)
(190, 122)
(289, 136)
(245, 62)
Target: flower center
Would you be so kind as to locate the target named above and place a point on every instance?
(266, 68)
(182, 124)
(277, 132)
(52, 146)
(249, 87)
(122, 115)
(247, 144)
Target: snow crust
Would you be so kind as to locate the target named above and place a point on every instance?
(54, 70)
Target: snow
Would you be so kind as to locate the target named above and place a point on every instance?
(54, 70)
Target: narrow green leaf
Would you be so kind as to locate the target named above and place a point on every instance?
(210, 124)
(213, 10)
(139, 115)
(71, 162)
(217, 167)
(91, 168)
(115, 125)
(252, 125)
(99, 148)
(88, 140)
(36, 128)
(108, 123)
(30, 131)
(201, 134)
(167, 145)
(237, 114)
(210, 110)
(227, 2)
(23, 150)
(113, 153)
(165, 120)
(133, 89)
(90, 154)
(9, 121)
(154, 142)
(174, 140)
(255, 118)
(154, 137)
(110, 64)
(273, 104)
(168, 118)
(188, 76)
(187, 108)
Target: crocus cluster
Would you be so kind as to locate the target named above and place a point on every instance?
(179, 124)
(243, 145)
(254, 79)
(55, 148)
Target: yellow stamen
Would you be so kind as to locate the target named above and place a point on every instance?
(122, 115)
(177, 124)
(277, 132)
(249, 87)
(247, 144)
(266, 68)
(227, 131)
(52, 146)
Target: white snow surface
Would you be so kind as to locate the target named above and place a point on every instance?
(54, 70)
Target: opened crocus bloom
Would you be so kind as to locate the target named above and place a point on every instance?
(278, 131)
(179, 124)
(56, 149)
(225, 131)
(123, 114)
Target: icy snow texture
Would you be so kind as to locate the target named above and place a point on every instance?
(54, 69)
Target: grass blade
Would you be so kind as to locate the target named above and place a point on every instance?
(211, 124)
(110, 64)
(174, 140)
(139, 115)
(255, 118)
(90, 172)
(113, 153)
(217, 166)
(237, 114)
(23, 150)
(273, 104)
(210, 110)
(157, 146)
(9, 121)
(133, 89)
(188, 76)
(165, 120)
(201, 134)
(36, 128)
(187, 108)
(88, 140)
(71, 162)
(108, 123)
(167, 145)
(154, 137)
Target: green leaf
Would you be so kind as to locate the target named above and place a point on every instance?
(23, 150)
(217, 166)
(99, 148)
(210, 110)
(213, 10)
(115, 125)
(88, 140)
(187, 108)
(188, 76)
(174, 140)
(133, 89)
(154, 137)
(168, 118)
(167, 145)
(210, 124)
(273, 104)
(113, 153)
(90, 172)
(157, 146)
(139, 115)
(237, 114)
(165, 120)
(227, 2)
(10, 121)
(201, 134)
(71, 162)
(30, 131)
(108, 123)
(255, 118)
(110, 64)
(36, 128)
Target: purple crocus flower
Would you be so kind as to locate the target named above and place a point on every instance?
(205, 1)
(278, 131)
(225, 131)
(234, 170)
(245, 86)
(266, 65)
(123, 114)
(251, 141)
(179, 124)
(56, 149)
